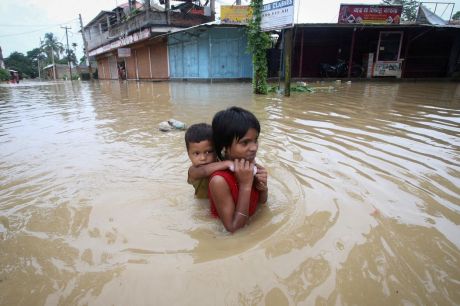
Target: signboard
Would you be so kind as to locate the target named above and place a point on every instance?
(235, 14)
(124, 52)
(361, 13)
(385, 69)
(277, 15)
(130, 39)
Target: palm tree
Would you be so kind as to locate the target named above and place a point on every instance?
(52, 46)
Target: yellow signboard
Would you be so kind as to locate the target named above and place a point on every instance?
(235, 14)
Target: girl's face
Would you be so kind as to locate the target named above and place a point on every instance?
(245, 147)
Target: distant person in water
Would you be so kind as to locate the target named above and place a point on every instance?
(200, 150)
(234, 195)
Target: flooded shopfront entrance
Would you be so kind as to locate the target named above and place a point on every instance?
(363, 209)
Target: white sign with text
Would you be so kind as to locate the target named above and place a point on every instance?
(277, 15)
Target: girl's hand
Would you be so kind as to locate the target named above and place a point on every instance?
(261, 178)
(244, 172)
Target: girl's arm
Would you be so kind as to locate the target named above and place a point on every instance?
(233, 215)
(261, 183)
(199, 172)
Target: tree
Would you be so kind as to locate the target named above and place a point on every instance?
(4, 75)
(409, 10)
(258, 43)
(21, 63)
(456, 16)
(36, 57)
(71, 58)
(82, 60)
(52, 46)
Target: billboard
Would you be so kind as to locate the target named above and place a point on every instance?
(235, 14)
(361, 13)
(277, 15)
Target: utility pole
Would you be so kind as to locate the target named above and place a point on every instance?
(168, 13)
(287, 61)
(68, 57)
(213, 10)
(38, 61)
(54, 64)
(85, 45)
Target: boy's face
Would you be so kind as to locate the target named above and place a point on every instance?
(201, 153)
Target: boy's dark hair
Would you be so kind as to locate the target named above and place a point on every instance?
(197, 133)
(229, 124)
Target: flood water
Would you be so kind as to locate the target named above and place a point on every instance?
(363, 209)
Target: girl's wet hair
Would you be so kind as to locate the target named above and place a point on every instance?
(197, 133)
(232, 123)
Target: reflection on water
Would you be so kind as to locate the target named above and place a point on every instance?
(363, 204)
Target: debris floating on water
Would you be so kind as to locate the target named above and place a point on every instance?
(171, 124)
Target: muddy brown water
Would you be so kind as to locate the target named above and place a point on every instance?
(364, 198)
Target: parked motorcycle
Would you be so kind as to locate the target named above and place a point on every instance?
(340, 70)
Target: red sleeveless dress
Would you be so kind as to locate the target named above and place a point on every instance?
(230, 178)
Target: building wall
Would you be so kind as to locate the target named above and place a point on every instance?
(428, 55)
(113, 75)
(130, 62)
(143, 63)
(61, 72)
(209, 53)
(159, 59)
(148, 60)
(427, 52)
(103, 70)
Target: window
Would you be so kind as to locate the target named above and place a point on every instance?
(389, 46)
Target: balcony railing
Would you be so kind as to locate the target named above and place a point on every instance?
(142, 20)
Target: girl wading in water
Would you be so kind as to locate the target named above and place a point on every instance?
(235, 195)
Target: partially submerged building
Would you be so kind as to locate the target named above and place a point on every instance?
(139, 41)
(428, 48)
(56, 71)
(128, 42)
(208, 52)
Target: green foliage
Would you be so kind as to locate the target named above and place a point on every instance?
(296, 88)
(52, 46)
(83, 60)
(301, 88)
(21, 63)
(4, 75)
(258, 43)
(456, 16)
(28, 65)
(410, 7)
(72, 57)
(36, 54)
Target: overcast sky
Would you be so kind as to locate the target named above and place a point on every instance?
(24, 22)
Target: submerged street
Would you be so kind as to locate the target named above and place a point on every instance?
(363, 208)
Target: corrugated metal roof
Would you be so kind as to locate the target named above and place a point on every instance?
(376, 25)
(428, 17)
(101, 13)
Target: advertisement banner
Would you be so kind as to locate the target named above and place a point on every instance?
(277, 15)
(235, 14)
(387, 14)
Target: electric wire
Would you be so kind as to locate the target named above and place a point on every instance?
(38, 30)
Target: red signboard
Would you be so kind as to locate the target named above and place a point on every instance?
(388, 14)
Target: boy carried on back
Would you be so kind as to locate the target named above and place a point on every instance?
(200, 150)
